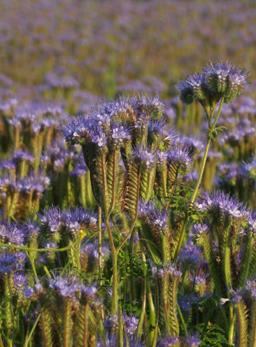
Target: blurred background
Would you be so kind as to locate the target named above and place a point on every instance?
(106, 48)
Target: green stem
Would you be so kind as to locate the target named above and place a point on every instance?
(232, 319)
(211, 130)
(115, 298)
(202, 168)
(67, 324)
(8, 312)
(152, 320)
(184, 325)
(100, 241)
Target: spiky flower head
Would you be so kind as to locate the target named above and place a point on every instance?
(192, 89)
(155, 218)
(148, 106)
(66, 286)
(12, 233)
(222, 203)
(216, 81)
(179, 157)
(144, 157)
(225, 80)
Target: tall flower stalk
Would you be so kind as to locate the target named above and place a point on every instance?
(218, 83)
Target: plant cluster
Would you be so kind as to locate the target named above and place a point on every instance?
(106, 236)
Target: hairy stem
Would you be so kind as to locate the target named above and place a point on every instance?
(211, 131)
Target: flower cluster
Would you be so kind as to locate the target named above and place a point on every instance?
(217, 81)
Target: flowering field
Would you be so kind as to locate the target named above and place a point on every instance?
(127, 173)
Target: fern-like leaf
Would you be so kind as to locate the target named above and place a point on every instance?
(45, 324)
(242, 325)
(132, 190)
(172, 307)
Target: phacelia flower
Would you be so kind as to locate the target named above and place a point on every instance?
(11, 262)
(179, 157)
(221, 80)
(66, 287)
(190, 254)
(52, 219)
(225, 79)
(12, 232)
(221, 202)
(144, 157)
(251, 288)
(192, 341)
(131, 324)
(156, 218)
(77, 219)
(193, 88)
(169, 341)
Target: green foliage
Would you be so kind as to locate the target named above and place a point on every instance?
(211, 335)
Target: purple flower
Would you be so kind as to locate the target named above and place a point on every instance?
(32, 184)
(192, 88)
(220, 202)
(89, 291)
(33, 292)
(52, 219)
(186, 301)
(111, 323)
(179, 157)
(77, 219)
(22, 155)
(119, 134)
(11, 232)
(251, 288)
(147, 105)
(91, 250)
(199, 229)
(55, 80)
(154, 217)
(170, 269)
(7, 262)
(190, 254)
(190, 144)
(11, 262)
(144, 157)
(225, 79)
(86, 130)
(169, 341)
(216, 81)
(192, 341)
(20, 280)
(236, 296)
(131, 324)
(66, 287)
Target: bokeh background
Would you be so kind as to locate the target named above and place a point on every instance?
(107, 48)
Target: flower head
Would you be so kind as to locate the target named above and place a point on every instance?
(192, 88)
(192, 341)
(144, 157)
(169, 341)
(66, 287)
(216, 81)
(131, 324)
(157, 219)
(221, 202)
(225, 79)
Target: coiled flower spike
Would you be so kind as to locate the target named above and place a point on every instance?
(216, 81)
